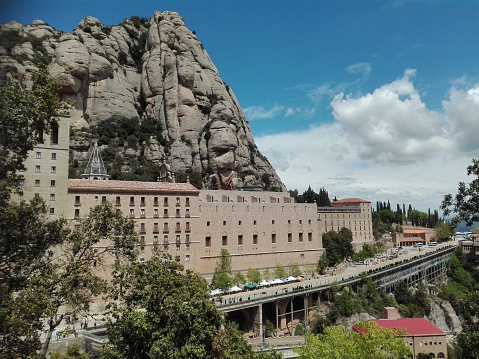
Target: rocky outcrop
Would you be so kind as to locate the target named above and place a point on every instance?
(155, 69)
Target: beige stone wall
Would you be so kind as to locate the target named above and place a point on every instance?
(427, 344)
(47, 170)
(358, 219)
(164, 221)
(259, 229)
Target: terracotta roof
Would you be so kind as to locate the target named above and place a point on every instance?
(82, 185)
(413, 326)
(350, 200)
(414, 231)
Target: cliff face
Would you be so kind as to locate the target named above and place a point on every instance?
(150, 70)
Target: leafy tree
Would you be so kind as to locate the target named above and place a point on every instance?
(222, 277)
(465, 204)
(253, 275)
(239, 278)
(323, 262)
(294, 270)
(280, 272)
(73, 352)
(372, 342)
(338, 245)
(467, 341)
(444, 231)
(25, 115)
(161, 311)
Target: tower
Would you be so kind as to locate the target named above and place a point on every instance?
(95, 169)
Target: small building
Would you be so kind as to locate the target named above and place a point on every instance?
(411, 237)
(421, 335)
(471, 247)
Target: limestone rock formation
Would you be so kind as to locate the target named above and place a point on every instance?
(155, 70)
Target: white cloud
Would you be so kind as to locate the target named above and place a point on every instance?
(385, 145)
(391, 125)
(259, 112)
(362, 68)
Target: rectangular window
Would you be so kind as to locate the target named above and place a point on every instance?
(177, 228)
(224, 223)
(165, 227)
(289, 221)
(208, 241)
(239, 223)
(301, 237)
(187, 258)
(255, 239)
(165, 201)
(310, 236)
(290, 237)
(254, 222)
(207, 223)
(52, 183)
(187, 239)
(132, 212)
(155, 201)
(142, 201)
(132, 201)
(155, 212)
(187, 204)
(54, 156)
(103, 199)
(155, 239)
(37, 183)
(142, 228)
(52, 210)
(272, 222)
(301, 256)
(273, 237)
(177, 201)
(37, 169)
(155, 228)
(224, 240)
(142, 240)
(52, 196)
(300, 221)
(142, 212)
(187, 213)
(165, 238)
(240, 239)
(142, 249)
(178, 240)
(165, 212)
(53, 169)
(177, 213)
(77, 212)
(38, 155)
(118, 200)
(77, 199)
(187, 227)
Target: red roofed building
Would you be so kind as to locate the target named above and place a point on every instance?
(421, 335)
(352, 213)
(410, 237)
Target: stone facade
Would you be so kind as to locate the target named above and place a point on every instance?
(352, 213)
(46, 171)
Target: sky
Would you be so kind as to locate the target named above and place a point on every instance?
(371, 99)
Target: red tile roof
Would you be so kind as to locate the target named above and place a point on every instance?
(413, 326)
(349, 200)
(87, 185)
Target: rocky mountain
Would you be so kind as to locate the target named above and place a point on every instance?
(146, 71)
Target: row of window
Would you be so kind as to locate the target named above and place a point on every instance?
(53, 183)
(240, 238)
(53, 169)
(165, 227)
(132, 201)
(38, 156)
(208, 223)
(166, 240)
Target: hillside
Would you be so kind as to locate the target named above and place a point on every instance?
(148, 91)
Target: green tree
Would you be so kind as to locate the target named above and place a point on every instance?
(444, 231)
(73, 352)
(222, 278)
(294, 270)
(467, 342)
(25, 115)
(323, 262)
(280, 272)
(338, 245)
(372, 342)
(465, 204)
(253, 275)
(161, 311)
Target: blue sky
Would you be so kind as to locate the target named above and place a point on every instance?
(370, 99)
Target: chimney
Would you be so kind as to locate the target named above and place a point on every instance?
(391, 313)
